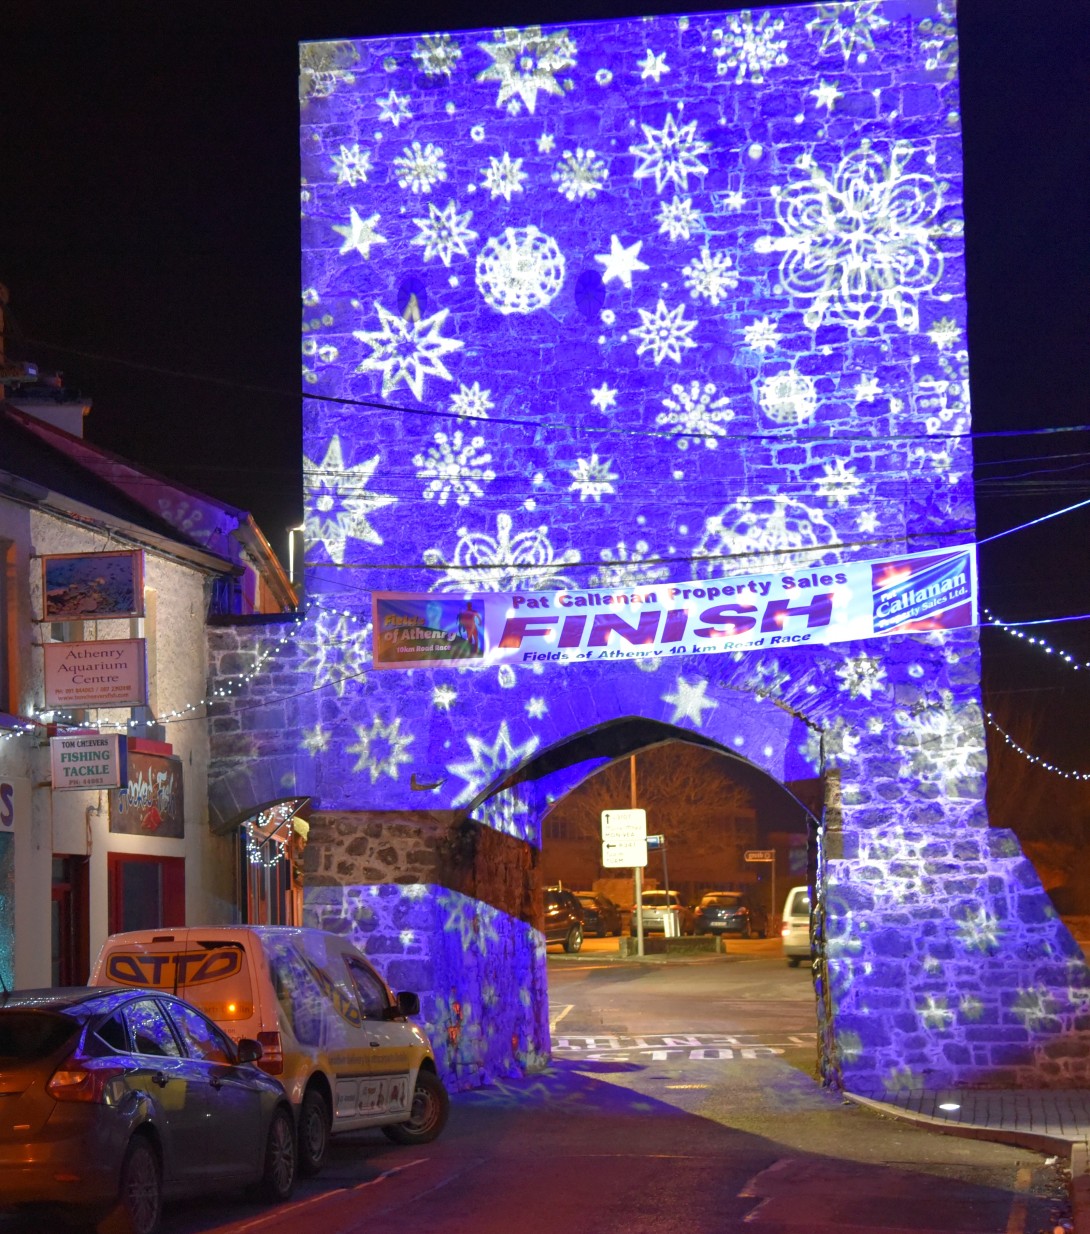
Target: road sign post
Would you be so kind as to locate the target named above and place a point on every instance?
(768, 855)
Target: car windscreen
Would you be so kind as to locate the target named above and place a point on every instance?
(26, 1036)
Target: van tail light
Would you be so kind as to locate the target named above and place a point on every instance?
(272, 1054)
(75, 1080)
(785, 929)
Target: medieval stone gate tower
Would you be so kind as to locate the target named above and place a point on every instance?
(607, 305)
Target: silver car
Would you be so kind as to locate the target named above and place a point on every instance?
(655, 908)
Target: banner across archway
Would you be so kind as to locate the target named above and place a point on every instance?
(914, 593)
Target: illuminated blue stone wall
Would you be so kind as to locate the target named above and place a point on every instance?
(670, 298)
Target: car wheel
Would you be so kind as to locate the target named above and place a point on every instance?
(313, 1132)
(278, 1173)
(575, 938)
(430, 1108)
(140, 1194)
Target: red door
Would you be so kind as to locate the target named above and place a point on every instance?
(146, 893)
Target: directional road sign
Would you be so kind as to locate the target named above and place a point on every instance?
(624, 838)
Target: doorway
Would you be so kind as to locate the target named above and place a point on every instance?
(146, 893)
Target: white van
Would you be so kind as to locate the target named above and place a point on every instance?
(329, 1027)
(795, 929)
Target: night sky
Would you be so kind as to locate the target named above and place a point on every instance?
(149, 238)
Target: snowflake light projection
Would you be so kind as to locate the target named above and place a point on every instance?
(840, 484)
(664, 333)
(861, 241)
(761, 335)
(337, 505)
(437, 55)
(526, 62)
(503, 562)
(521, 271)
(748, 46)
(487, 762)
(503, 176)
(678, 218)
(943, 745)
(339, 652)
(580, 174)
(670, 154)
(420, 168)
(848, 28)
(694, 410)
(359, 233)
(351, 165)
(979, 930)
(689, 702)
(592, 478)
(381, 748)
(323, 67)
(710, 276)
(862, 676)
(758, 534)
(472, 401)
(788, 397)
(444, 233)
(454, 467)
(407, 350)
(626, 567)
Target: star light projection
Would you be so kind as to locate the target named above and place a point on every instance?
(666, 300)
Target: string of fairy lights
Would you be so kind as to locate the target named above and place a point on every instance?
(20, 727)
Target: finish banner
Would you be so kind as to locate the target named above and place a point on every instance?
(913, 594)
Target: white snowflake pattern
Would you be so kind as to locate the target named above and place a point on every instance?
(979, 930)
(688, 701)
(710, 276)
(938, 38)
(621, 262)
(670, 154)
(860, 242)
(848, 28)
(408, 351)
(488, 762)
(749, 47)
(444, 233)
(525, 63)
(695, 412)
(943, 746)
(861, 676)
(679, 218)
(944, 333)
(826, 95)
(536, 708)
(504, 562)
(580, 173)
(521, 271)
(472, 401)
(351, 165)
(762, 335)
(935, 1013)
(503, 176)
(359, 234)
(454, 467)
(437, 55)
(840, 484)
(420, 168)
(838, 743)
(763, 533)
(338, 653)
(867, 390)
(381, 748)
(652, 66)
(1035, 1008)
(337, 504)
(315, 740)
(591, 478)
(604, 397)
(394, 108)
(867, 521)
(443, 697)
(628, 567)
(788, 397)
(664, 333)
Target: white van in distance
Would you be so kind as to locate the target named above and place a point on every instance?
(795, 929)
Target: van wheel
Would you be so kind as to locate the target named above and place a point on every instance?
(794, 960)
(430, 1108)
(313, 1132)
(575, 938)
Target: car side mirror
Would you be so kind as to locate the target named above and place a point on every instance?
(408, 1003)
(248, 1051)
